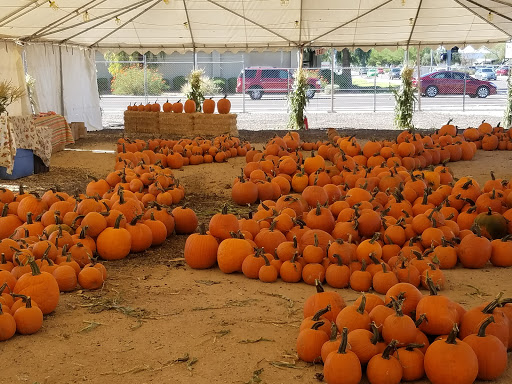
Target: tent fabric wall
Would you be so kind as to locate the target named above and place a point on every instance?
(80, 88)
(78, 98)
(11, 69)
(43, 65)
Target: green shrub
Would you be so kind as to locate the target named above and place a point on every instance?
(326, 75)
(231, 85)
(178, 82)
(220, 82)
(104, 86)
(343, 80)
(130, 81)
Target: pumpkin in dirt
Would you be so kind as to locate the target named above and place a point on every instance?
(40, 286)
(342, 366)
(114, 243)
(451, 361)
(28, 318)
(201, 249)
(232, 253)
(321, 299)
(492, 224)
(310, 341)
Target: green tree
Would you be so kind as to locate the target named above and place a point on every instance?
(497, 53)
(360, 57)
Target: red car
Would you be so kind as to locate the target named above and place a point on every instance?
(452, 83)
(502, 71)
(261, 80)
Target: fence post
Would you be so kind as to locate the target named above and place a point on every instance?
(243, 83)
(464, 94)
(288, 90)
(333, 56)
(375, 90)
(418, 63)
(144, 63)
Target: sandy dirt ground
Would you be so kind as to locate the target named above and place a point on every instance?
(158, 321)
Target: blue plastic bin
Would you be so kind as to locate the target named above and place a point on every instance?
(23, 165)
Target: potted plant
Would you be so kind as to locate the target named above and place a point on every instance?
(9, 94)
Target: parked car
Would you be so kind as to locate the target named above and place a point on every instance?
(261, 80)
(503, 70)
(395, 73)
(363, 71)
(380, 71)
(485, 74)
(452, 83)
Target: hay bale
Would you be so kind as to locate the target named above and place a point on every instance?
(130, 121)
(180, 124)
(215, 124)
(148, 122)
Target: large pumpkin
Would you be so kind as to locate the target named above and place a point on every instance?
(232, 253)
(41, 287)
(209, 106)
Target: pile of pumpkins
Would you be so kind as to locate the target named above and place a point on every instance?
(223, 106)
(405, 336)
(360, 222)
(48, 243)
(178, 153)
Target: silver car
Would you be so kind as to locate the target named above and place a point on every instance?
(485, 74)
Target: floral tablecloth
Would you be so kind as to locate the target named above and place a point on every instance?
(21, 132)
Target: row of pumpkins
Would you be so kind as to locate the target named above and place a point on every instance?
(405, 337)
(48, 243)
(178, 153)
(223, 106)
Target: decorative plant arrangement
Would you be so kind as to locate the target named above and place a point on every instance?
(197, 87)
(298, 100)
(9, 94)
(404, 101)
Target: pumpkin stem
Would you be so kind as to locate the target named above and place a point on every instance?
(485, 324)
(267, 263)
(224, 210)
(295, 241)
(390, 347)
(319, 287)
(452, 337)
(2, 289)
(338, 259)
(397, 306)
(373, 258)
(317, 325)
(489, 308)
(344, 341)
(334, 331)
(431, 287)
(118, 221)
(321, 312)
(34, 267)
(202, 227)
(362, 305)
(411, 346)
(375, 237)
(5, 209)
(376, 335)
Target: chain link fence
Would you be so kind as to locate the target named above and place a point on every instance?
(266, 89)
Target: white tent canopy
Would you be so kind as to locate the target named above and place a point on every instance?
(206, 25)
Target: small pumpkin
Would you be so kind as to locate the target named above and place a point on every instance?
(224, 105)
(209, 106)
(342, 366)
(190, 106)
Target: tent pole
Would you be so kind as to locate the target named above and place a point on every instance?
(195, 59)
(61, 82)
(418, 63)
(333, 56)
(243, 82)
(144, 63)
